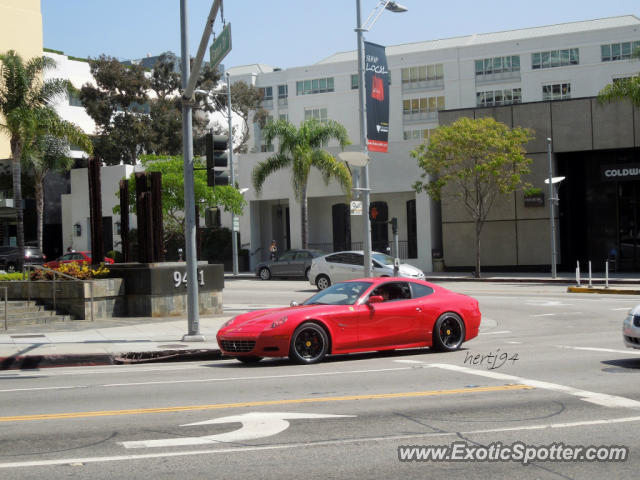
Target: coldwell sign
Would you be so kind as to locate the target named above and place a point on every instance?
(620, 173)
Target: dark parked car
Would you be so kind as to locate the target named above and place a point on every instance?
(9, 257)
(292, 263)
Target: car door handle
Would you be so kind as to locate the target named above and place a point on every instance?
(418, 309)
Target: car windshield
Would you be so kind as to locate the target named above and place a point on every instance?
(346, 293)
(382, 258)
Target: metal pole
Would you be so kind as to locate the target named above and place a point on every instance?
(5, 307)
(234, 233)
(193, 312)
(552, 213)
(366, 221)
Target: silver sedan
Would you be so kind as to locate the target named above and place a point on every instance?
(631, 328)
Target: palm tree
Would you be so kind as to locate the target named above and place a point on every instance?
(300, 149)
(624, 88)
(25, 103)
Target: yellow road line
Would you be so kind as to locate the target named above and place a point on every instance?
(216, 406)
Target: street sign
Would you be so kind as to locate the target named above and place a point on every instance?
(236, 224)
(356, 207)
(221, 46)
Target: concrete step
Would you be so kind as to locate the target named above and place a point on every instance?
(35, 320)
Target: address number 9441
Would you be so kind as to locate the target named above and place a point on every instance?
(181, 278)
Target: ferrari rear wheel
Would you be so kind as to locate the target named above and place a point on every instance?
(309, 344)
(265, 273)
(448, 332)
(322, 282)
(249, 359)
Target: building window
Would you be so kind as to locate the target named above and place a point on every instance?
(425, 108)
(74, 100)
(618, 51)
(489, 66)
(556, 91)
(317, 113)
(555, 58)
(318, 85)
(283, 117)
(423, 76)
(420, 134)
(267, 97)
(492, 98)
(355, 81)
(283, 91)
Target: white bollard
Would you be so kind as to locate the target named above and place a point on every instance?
(606, 274)
(590, 284)
(578, 273)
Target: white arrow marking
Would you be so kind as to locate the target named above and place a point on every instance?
(254, 425)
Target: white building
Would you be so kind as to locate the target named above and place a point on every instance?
(530, 65)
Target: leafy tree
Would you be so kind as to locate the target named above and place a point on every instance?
(117, 104)
(300, 149)
(172, 171)
(246, 98)
(26, 104)
(623, 88)
(474, 161)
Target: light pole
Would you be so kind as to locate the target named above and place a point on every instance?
(234, 233)
(552, 202)
(366, 221)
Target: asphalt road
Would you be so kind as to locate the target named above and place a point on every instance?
(569, 381)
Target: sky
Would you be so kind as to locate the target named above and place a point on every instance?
(290, 33)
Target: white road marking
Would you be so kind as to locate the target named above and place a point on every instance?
(625, 308)
(546, 303)
(221, 379)
(408, 361)
(602, 399)
(323, 443)
(254, 425)
(596, 349)
(495, 333)
(543, 315)
(515, 343)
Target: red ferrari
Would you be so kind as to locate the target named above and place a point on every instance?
(361, 315)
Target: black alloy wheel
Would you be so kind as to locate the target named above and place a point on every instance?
(448, 332)
(309, 344)
(265, 273)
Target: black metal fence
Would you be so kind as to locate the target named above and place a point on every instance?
(403, 246)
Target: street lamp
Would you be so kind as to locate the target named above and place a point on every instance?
(366, 221)
(552, 201)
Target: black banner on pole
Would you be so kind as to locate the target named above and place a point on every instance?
(377, 93)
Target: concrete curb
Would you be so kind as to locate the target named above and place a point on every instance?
(612, 291)
(30, 362)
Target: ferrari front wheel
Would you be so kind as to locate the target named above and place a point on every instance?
(309, 344)
(448, 332)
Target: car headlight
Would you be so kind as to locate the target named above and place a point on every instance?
(277, 323)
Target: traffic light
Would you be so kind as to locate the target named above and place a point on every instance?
(216, 149)
(211, 217)
(394, 225)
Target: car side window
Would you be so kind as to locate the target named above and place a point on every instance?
(337, 258)
(288, 256)
(77, 256)
(303, 256)
(420, 290)
(66, 256)
(393, 291)
(354, 259)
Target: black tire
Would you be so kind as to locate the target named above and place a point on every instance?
(11, 267)
(309, 344)
(249, 359)
(448, 332)
(306, 274)
(322, 282)
(265, 273)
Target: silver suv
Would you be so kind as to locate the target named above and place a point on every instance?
(9, 257)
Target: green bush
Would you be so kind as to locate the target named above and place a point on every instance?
(117, 256)
(12, 276)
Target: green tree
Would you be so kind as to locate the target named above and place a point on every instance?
(474, 161)
(623, 88)
(172, 171)
(300, 149)
(26, 104)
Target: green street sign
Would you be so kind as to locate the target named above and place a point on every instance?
(221, 46)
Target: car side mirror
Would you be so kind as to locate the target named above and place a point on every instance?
(293, 303)
(376, 299)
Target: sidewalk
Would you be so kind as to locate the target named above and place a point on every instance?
(137, 340)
